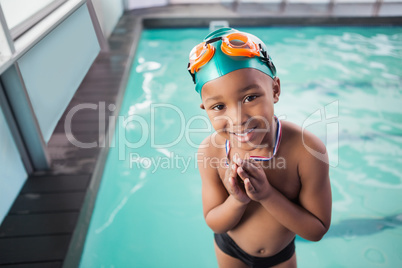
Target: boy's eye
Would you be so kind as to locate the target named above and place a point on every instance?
(218, 107)
(250, 98)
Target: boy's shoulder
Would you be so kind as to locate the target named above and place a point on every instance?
(301, 140)
(212, 144)
(306, 150)
(211, 153)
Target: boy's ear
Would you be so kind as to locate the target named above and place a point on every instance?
(202, 106)
(276, 89)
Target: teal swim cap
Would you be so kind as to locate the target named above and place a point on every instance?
(221, 63)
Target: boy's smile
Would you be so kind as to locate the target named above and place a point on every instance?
(240, 106)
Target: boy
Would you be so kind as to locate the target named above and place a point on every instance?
(268, 186)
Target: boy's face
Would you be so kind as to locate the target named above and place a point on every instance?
(240, 105)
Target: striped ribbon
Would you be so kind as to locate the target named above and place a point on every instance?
(262, 158)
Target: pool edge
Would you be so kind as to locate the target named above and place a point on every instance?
(77, 243)
(264, 21)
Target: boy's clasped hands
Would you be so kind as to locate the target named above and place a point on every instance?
(256, 185)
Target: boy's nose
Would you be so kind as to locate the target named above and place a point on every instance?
(237, 118)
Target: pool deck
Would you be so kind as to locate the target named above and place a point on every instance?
(39, 226)
(49, 218)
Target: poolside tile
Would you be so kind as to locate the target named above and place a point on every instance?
(35, 265)
(72, 166)
(49, 184)
(33, 249)
(38, 224)
(45, 203)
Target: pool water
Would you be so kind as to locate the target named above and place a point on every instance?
(342, 83)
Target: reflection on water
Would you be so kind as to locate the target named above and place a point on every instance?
(352, 228)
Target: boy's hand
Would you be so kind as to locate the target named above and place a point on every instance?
(255, 181)
(233, 186)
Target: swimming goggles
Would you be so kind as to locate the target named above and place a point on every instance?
(234, 44)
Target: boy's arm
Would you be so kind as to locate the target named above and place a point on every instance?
(222, 211)
(310, 218)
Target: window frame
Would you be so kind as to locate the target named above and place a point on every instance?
(30, 21)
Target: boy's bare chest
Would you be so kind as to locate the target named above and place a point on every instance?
(284, 178)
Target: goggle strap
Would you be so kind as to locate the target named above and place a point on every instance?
(266, 58)
(263, 52)
(192, 75)
(213, 40)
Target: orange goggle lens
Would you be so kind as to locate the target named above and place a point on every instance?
(199, 56)
(238, 44)
(235, 44)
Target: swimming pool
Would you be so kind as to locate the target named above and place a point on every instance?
(342, 83)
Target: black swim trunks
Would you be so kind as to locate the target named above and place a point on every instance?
(227, 245)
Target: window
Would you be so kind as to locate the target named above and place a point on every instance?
(21, 15)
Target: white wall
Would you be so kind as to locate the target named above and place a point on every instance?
(133, 4)
(16, 11)
(108, 13)
(13, 174)
(54, 68)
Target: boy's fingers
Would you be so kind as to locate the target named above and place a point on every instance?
(234, 188)
(242, 173)
(254, 163)
(230, 171)
(233, 169)
(230, 184)
(249, 167)
(248, 186)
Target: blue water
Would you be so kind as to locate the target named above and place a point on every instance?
(344, 84)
